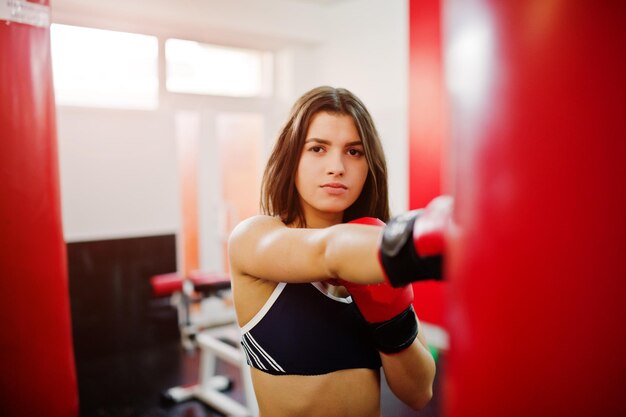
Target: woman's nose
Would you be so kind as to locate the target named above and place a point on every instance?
(335, 164)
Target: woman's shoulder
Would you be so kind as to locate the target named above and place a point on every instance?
(246, 239)
(255, 225)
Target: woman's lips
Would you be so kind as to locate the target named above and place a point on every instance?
(335, 188)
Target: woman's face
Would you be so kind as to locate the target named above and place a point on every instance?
(332, 169)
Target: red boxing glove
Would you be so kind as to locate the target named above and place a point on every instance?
(430, 231)
(388, 311)
(413, 244)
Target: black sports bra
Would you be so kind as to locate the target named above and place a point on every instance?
(304, 330)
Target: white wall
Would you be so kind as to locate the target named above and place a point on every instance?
(118, 173)
(118, 168)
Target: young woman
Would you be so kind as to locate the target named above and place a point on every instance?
(312, 351)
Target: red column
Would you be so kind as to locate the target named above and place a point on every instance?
(37, 375)
(427, 130)
(537, 270)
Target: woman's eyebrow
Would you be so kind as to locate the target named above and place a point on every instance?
(324, 141)
(327, 142)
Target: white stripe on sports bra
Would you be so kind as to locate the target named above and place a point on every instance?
(324, 290)
(251, 355)
(263, 353)
(274, 296)
(266, 307)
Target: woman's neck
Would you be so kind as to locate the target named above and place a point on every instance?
(321, 224)
(322, 220)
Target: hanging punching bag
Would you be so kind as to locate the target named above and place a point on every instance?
(37, 373)
(537, 267)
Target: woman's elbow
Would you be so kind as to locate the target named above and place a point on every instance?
(421, 400)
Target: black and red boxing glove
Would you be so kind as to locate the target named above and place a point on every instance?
(387, 310)
(413, 243)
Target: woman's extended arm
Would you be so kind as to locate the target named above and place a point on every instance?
(263, 247)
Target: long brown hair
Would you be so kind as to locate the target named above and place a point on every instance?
(279, 196)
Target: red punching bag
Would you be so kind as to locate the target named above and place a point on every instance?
(428, 133)
(537, 270)
(37, 373)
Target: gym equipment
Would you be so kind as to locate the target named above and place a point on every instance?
(218, 343)
(536, 270)
(387, 310)
(413, 244)
(211, 327)
(37, 370)
(202, 300)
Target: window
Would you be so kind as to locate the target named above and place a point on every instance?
(102, 68)
(199, 68)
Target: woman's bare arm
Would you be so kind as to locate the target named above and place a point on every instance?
(263, 247)
(410, 373)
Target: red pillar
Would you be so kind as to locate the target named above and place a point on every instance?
(537, 269)
(37, 375)
(427, 130)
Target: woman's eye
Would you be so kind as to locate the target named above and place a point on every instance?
(316, 149)
(355, 152)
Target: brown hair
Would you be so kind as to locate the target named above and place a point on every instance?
(279, 196)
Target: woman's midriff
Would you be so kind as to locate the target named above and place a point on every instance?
(345, 393)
